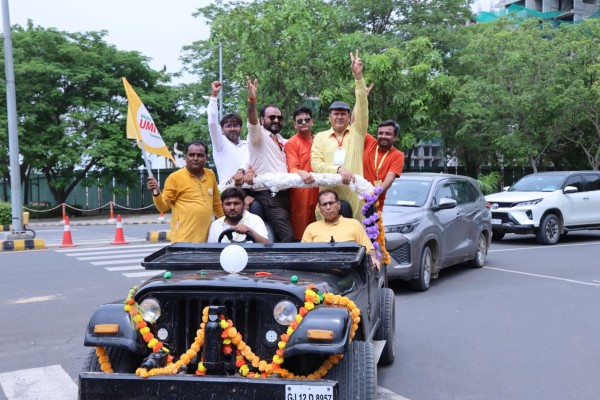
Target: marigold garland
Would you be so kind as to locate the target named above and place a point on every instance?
(231, 336)
(104, 361)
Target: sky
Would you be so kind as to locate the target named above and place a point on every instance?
(156, 28)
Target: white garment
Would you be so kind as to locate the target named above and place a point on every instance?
(266, 156)
(252, 221)
(228, 156)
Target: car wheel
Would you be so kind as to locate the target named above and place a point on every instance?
(387, 326)
(497, 235)
(478, 260)
(356, 372)
(422, 282)
(121, 360)
(549, 230)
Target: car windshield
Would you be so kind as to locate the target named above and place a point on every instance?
(538, 183)
(408, 193)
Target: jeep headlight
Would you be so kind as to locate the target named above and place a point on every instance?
(402, 228)
(150, 310)
(285, 312)
(527, 203)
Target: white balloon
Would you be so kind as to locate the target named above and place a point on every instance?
(234, 258)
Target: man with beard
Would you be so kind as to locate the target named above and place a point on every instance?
(336, 228)
(235, 217)
(382, 162)
(265, 147)
(229, 151)
(192, 193)
(340, 149)
(297, 151)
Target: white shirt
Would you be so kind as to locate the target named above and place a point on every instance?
(266, 156)
(252, 221)
(228, 156)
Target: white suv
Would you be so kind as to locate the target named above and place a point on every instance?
(547, 204)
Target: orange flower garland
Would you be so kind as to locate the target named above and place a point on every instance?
(231, 336)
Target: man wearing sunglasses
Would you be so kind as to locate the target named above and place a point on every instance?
(297, 150)
(229, 151)
(265, 149)
(336, 228)
(340, 149)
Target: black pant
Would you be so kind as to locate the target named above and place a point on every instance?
(277, 213)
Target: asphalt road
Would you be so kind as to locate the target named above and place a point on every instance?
(523, 327)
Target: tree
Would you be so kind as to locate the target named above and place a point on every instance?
(71, 106)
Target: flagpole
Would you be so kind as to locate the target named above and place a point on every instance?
(147, 162)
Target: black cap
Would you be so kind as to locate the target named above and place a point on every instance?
(339, 105)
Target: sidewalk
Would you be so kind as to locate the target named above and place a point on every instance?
(101, 220)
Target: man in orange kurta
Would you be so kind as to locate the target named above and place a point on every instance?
(382, 162)
(297, 151)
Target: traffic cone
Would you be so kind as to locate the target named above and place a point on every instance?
(119, 238)
(67, 239)
(161, 218)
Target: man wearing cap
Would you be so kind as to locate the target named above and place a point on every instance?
(339, 149)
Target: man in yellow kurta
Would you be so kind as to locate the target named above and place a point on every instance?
(336, 228)
(193, 194)
(340, 149)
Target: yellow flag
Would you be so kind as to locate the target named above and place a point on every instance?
(140, 125)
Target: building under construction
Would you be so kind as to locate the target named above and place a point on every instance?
(557, 10)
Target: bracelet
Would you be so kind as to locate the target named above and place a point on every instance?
(251, 100)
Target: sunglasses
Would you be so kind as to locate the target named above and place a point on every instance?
(327, 204)
(300, 121)
(275, 117)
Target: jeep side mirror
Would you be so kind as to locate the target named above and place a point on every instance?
(570, 189)
(446, 203)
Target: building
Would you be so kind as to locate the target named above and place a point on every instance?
(562, 10)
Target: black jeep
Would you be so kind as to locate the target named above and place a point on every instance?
(270, 302)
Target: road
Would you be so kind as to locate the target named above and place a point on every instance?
(525, 326)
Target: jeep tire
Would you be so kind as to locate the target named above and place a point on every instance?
(549, 230)
(356, 372)
(387, 326)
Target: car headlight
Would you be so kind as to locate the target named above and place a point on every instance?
(403, 228)
(285, 312)
(150, 310)
(527, 203)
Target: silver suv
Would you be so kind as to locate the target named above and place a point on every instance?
(547, 204)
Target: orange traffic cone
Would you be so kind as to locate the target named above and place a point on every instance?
(67, 239)
(119, 238)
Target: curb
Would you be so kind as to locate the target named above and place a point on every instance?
(158, 236)
(22, 244)
(71, 223)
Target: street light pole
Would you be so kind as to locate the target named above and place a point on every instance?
(13, 134)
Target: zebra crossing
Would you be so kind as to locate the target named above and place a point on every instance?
(123, 259)
(43, 383)
(53, 236)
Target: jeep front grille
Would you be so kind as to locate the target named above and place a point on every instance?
(250, 312)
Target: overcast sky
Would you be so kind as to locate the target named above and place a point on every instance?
(156, 28)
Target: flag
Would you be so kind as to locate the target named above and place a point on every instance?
(140, 125)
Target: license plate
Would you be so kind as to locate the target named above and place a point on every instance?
(307, 392)
(496, 221)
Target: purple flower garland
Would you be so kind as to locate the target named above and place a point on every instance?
(372, 217)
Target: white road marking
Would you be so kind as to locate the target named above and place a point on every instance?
(556, 246)
(114, 262)
(47, 383)
(545, 276)
(144, 274)
(35, 299)
(113, 256)
(124, 268)
(70, 250)
(108, 251)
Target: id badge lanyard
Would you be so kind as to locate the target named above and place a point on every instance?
(340, 153)
(378, 167)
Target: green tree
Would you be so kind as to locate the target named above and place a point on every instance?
(71, 106)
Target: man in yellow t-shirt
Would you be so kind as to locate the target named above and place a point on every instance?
(340, 149)
(193, 194)
(336, 228)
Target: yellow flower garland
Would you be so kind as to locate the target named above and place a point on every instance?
(231, 336)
